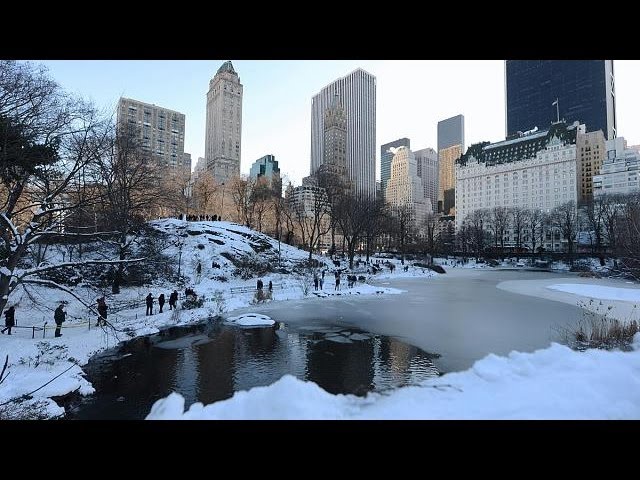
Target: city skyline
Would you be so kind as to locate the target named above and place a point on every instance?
(412, 96)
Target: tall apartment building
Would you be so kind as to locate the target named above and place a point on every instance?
(404, 188)
(450, 149)
(590, 152)
(619, 171)
(357, 93)
(159, 130)
(535, 171)
(224, 124)
(584, 89)
(387, 151)
(427, 165)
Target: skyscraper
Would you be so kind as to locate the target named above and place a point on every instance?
(159, 130)
(357, 92)
(427, 165)
(584, 90)
(386, 155)
(450, 148)
(224, 124)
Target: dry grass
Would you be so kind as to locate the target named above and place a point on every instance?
(598, 330)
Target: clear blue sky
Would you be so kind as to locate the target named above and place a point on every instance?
(412, 96)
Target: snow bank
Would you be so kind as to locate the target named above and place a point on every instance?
(554, 383)
(599, 292)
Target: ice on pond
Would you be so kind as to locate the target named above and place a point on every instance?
(250, 320)
(358, 336)
(338, 339)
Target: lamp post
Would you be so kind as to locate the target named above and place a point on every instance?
(222, 207)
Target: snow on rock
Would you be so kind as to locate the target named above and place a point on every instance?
(554, 383)
(599, 292)
(250, 319)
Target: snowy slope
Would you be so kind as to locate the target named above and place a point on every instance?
(554, 383)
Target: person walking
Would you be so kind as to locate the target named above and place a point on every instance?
(149, 304)
(173, 300)
(270, 286)
(259, 284)
(161, 301)
(59, 316)
(102, 312)
(321, 280)
(9, 319)
(315, 282)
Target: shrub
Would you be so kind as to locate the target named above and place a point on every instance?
(191, 302)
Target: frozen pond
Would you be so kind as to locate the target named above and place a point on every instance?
(351, 345)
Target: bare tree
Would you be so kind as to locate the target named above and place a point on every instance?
(565, 218)
(404, 227)
(594, 213)
(518, 222)
(204, 191)
(534, 224)
(311, 217)
(476, 222)
(354, 215)
(131, 190)
(261, 197)
(375, 225)
(611, 211)
(242, 194)
(628, 242)
(499, 219)
(431, 229)
(47, 140)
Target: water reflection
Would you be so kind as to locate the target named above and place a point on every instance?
(209, 363)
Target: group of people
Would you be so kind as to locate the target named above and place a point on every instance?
(173, 300)
(203, 218)
(260, 295)
(260, 285)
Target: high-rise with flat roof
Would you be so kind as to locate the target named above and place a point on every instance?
(224, 124)
(427, 169)
(357, 94)
(159, 130)
(584, 89)
(450, 148)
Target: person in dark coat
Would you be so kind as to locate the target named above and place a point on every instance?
(270, 286)
(199, 269)
(173, 299)
(59, 316)
(161, 301)
(9, 319)
(102, 311)
(149, 304)
(260, 284)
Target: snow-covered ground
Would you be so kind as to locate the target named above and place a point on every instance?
(554, 383)
(599, 292)
(617, 298)
(34, 362)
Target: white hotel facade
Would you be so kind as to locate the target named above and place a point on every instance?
(535, 171)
